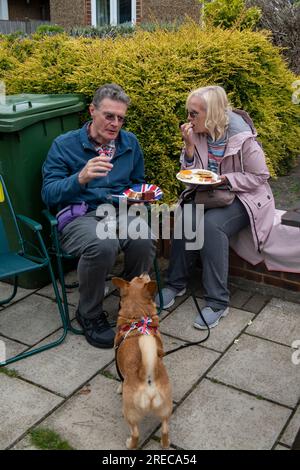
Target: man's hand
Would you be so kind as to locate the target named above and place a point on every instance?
(95, 167)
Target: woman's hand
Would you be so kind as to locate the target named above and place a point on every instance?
(95, 167)
(223, 180)
(187, 135)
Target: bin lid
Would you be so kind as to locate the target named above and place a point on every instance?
(20, 111)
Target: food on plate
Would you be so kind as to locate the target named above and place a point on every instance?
(186, 174)
(148, 195)
(134, 194)
(144, 196)
(205, 176)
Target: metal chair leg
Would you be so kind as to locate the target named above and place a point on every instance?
(54, 343)
(2, 302)
(64, 296)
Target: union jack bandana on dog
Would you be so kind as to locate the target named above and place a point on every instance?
(143, 326)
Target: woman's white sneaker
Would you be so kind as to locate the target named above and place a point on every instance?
(169, 296)
(212, 318)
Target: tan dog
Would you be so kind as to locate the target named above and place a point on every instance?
(139, 352)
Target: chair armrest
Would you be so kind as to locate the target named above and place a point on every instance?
(36, 226)
(50, 217)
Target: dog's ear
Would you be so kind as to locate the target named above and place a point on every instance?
(151, 287)
(120, 283)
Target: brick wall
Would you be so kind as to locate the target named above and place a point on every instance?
(35, 10)
(242, 269)
(169, 10)
(138, 11)
(68, 13)
(77, 16)
(87, 13)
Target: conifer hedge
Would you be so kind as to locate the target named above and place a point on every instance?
(158, 69)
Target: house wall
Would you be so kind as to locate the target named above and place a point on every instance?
(68, 13)
(169, 10)
(34, 10)
(88, 11)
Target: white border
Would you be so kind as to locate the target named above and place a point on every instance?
(113, 12)
(93, 9)
(133, 11)
(3, 10)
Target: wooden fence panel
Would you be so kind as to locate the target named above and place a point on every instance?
(7, 26)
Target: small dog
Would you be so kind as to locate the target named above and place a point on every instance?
(139, 351)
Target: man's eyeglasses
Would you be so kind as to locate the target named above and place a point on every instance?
(192, 114)
(112, 117)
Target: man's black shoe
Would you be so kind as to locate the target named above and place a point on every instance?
(97, 331)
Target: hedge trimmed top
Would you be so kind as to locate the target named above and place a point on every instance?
(158, 69)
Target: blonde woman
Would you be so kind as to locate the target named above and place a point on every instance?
(222, 140)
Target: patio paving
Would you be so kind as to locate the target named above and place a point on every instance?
(238, 390)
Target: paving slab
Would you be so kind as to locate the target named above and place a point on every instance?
(24, 444)
(279, 447)
(9, 348)
(23, 406)
(239, 298)
(214, 416)
(184, 367)
(180, 325)
(31, 320)
(260, 367)
(279, 321)
(66, 367)
(94, 420)
(72, 293)
(290, 433)
(256, 303)
(7, 289)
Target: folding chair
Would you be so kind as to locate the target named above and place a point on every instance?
(28, 257)
(56, 251)
(60, 255)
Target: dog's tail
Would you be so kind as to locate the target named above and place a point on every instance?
(149, 396)
(148, 349)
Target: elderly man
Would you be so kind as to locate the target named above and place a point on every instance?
(87, 166)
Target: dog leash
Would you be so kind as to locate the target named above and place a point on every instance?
(186, 345)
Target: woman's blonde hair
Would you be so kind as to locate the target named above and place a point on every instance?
(216, 105)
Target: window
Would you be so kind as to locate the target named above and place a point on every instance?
(124, 11)
(113, 12)
(102, 12)
(3, 10)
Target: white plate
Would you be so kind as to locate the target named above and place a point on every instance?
(196, 180)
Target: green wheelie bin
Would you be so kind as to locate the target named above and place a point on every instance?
(28, 125)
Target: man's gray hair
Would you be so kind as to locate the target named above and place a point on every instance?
(113, 92)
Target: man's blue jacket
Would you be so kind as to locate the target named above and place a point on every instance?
(68, 155)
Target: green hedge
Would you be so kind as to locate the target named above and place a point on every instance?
(158, 69)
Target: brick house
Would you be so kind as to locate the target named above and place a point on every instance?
(68, 13)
